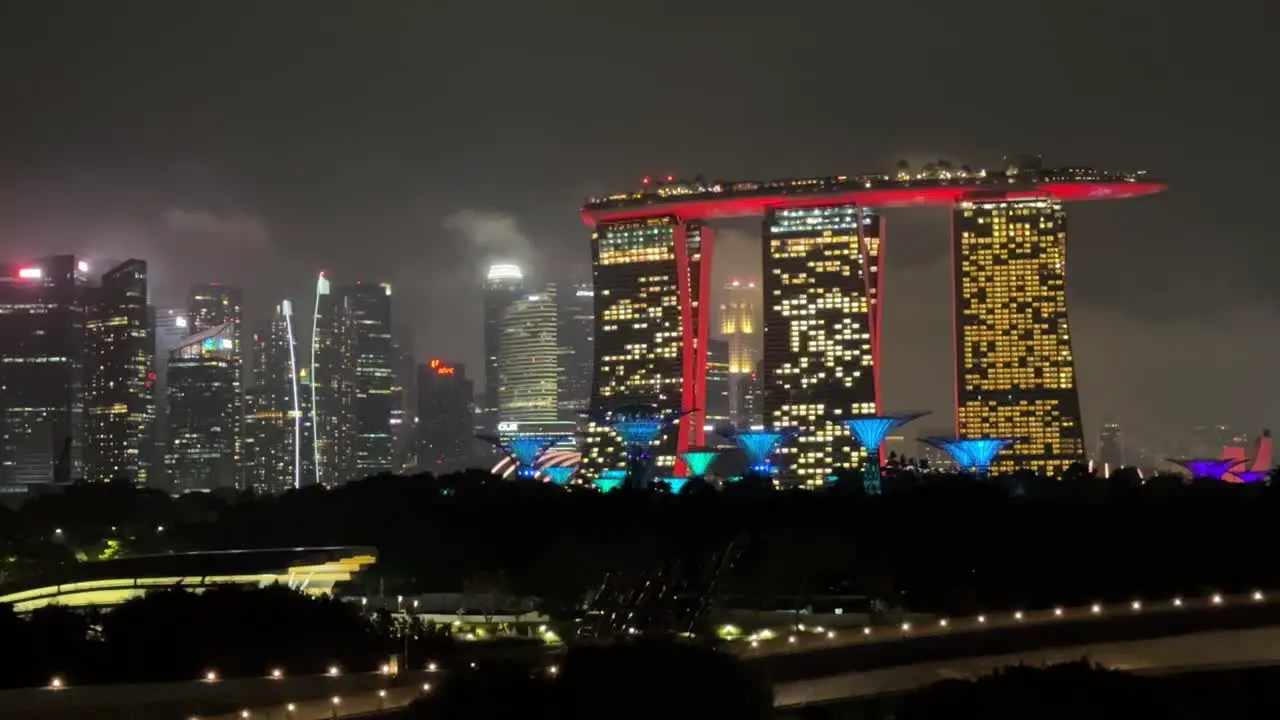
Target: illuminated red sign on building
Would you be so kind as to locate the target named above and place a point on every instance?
(441, 367)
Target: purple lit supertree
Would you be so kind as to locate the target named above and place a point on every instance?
(1215, 468)
(870, 433)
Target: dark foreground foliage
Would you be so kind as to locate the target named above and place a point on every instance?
(949, 544)
(174, 635)
(632, 681)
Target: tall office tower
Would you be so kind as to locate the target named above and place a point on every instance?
(169, 326)
(41, 371)
(652, 320)
(204, 392)
(273, 418)
(213, 305)
(403, 403)
(577, 342)
(1110, 446)
(750, 400)
(739, 326)
(120, 378)
(1015, 377)
(332, 386)
(529, 360)
(370, 305)
(819, 367)
(446, 417)
(504, 283)
(719, 364)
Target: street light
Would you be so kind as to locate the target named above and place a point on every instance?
(56, 683)
(211, 676)
(277, 673)
(334, 671)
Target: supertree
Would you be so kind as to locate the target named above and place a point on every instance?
(640, 427)
(1251, 476)
(971, 453)
(559, 474)
(675, 484)
(1215, 468)
(758, 446)
(525, 450)
(870, 432)
(610, 480)
(698, 460)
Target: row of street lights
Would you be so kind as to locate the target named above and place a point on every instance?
(1018, 616)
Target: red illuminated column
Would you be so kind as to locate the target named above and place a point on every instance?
(703, 322)
(688, 376)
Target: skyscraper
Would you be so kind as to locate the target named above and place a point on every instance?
(274, 418)
(1015, 376)
(214, 305)
(446, 417)
(370, 306)
(739, 327)
(819, 368)
(577, 343)
(529, 359)
(204, 387)
(120, 378)
(41, 370)
(652, 322)
(1111, 447)
(719, 362)
(404, 403)
(503, 284)
(332, 386)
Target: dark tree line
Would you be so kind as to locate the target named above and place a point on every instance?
(931, 543)
(175, 635)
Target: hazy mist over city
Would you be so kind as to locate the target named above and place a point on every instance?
(256, 144)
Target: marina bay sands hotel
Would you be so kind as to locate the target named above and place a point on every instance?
(824, 247)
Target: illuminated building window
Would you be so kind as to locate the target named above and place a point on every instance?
(1015, 373)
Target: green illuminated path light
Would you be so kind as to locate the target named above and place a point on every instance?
(870, 433)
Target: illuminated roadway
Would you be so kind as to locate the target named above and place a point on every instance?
(1174, 635)
(712, 200)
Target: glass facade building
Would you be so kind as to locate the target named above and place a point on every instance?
(373, 350)
(204, 387)
(214, 305)
(503, 284)
(42, 315)
(331, 386)
(651, 282)
(1015, 374)
(275, 447)
(529, 360)
(120, 378)
(577, 343)
(819, 364)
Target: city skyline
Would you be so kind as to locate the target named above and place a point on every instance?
(216, 176)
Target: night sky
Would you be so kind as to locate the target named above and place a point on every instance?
(258, 142)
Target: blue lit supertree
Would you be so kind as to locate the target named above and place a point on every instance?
(758, 446)
(610, 480)
(525, 450)
(870, 432)
(640, 427)
(971, 453)
(559, 474)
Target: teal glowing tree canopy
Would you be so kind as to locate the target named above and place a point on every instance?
(610, 480)
(525, 450)
(758, 445)
(676, 484)
(639, 431)
(559, 474)
(699, 460)
(975, 453)
(870, 432)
